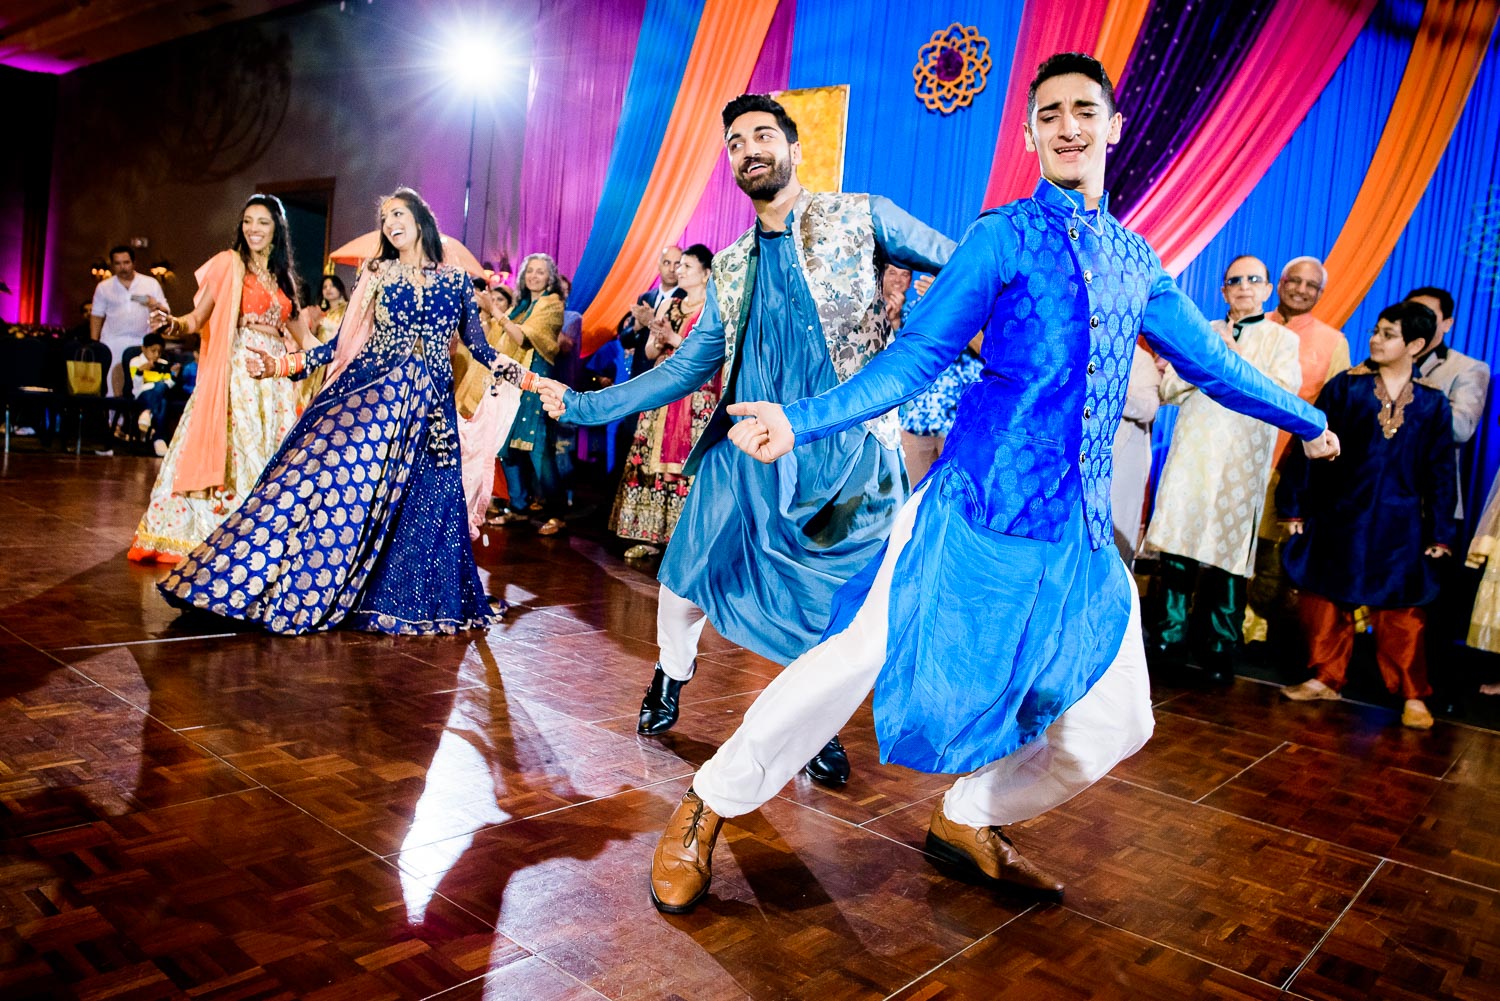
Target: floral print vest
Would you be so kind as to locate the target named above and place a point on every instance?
(835, 243)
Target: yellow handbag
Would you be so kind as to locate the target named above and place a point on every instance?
(85, 378)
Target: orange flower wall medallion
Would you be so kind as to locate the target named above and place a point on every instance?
(951, 68)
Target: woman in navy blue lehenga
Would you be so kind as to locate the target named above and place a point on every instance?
(359, 519)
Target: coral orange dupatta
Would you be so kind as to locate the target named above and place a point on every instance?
(204, 451)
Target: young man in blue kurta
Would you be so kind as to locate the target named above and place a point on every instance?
(999, 629)
(792, 311)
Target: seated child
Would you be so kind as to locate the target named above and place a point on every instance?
(150, 380)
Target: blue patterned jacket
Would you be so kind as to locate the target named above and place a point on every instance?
(1062, 295)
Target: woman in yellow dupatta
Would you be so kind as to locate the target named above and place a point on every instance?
(233, 423)
(653, 490)
(323, 322)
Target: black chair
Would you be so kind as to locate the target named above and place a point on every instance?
(33, 373)
(101, 402)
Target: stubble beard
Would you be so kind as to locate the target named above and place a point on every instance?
(769, 185)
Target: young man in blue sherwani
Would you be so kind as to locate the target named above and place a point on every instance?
(999, 629)
(793, 309)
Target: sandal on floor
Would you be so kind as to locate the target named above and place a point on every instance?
(641, 551)
(551, 527)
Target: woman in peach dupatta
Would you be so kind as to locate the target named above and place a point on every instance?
(653, 489)
(233, 423)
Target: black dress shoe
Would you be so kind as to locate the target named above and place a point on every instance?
(1218, 670)
(830, 766)
(659, 707)
(1166, 655)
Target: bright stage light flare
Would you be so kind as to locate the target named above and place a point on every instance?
(477, 64)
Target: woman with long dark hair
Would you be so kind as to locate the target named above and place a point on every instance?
(246, 302)
(360, 518)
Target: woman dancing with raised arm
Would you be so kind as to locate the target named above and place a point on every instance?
(360, 519)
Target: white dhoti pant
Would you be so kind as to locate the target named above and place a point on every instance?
(679, 625)
(814, 697)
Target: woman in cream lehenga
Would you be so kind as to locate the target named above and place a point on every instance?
(233, 423)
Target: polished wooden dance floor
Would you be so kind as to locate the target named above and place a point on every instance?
(186, 812)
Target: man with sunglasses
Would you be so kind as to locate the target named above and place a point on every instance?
(1213, 487)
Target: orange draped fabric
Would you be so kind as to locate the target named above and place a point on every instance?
(1295, 54)
(203, 452)
(1045, 30)
(1117, 35)
(728, 43)
(1444, 61)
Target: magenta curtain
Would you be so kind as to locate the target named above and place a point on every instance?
(582, 58)
(1295, 54)
(724, 212)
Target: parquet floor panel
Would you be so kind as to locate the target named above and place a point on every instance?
(192, 810)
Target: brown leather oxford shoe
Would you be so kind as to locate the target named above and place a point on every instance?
(986, 856)
(682, 866)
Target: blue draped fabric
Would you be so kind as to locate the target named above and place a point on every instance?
(1299, 208)
(1451, 242)
(661, 56)
(1186, 54)
(935, 166)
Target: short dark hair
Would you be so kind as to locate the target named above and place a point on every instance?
(1237, 258)
(1442, 295)
(1417, 321)
(121, 249)
(700, 253)
(746, 103)
(1064, 63)
(153, 341)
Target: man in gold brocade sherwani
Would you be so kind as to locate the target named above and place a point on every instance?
(1213, 487)
(1323, 351)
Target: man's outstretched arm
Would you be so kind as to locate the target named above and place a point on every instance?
(692, 365)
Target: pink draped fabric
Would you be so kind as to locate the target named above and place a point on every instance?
(356, 327)
(1045, 30)
(478, 440)
(724, 212)
(582, 59)
(1299, 48)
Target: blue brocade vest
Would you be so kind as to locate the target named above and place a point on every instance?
(1036, 434)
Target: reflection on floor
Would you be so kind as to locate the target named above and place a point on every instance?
(191, 811)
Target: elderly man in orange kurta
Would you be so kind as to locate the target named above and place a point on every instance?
(1324, 353)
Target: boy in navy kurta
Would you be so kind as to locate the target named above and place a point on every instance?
(1000, 630)
(1370, 528)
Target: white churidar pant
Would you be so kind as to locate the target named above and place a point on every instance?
(814, 697)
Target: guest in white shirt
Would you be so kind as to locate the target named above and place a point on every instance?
(122, 311)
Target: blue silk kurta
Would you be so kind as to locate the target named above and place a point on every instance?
(762, 549)
(1010, 600)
